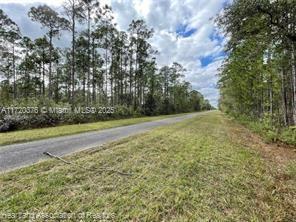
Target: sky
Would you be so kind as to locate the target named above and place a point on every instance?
(184, 32)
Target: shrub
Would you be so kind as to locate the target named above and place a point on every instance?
(123, 111)
(11, 122)
(150, 106)
(288, 135)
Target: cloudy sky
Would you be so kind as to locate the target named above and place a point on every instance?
(184, 32)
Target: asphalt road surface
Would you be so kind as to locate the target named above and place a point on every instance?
(24, 154)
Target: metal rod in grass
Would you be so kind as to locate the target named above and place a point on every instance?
(101, 169)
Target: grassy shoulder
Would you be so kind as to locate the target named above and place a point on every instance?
(195, 170)
(49, 132)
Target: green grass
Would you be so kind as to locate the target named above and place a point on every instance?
(195, 170)
(49, 132)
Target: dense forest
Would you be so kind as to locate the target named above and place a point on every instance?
(102, 67)
(258, 79)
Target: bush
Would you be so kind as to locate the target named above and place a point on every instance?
(124, 112)
(288, 135)
(271, 136)
(150, 106)
(11, 122)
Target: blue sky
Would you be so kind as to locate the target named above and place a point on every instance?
(184, 32)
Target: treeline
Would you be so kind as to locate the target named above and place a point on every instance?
(258, 79)
(102, 67)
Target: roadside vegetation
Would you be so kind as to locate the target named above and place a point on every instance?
(49, 132)
(286, 135)
(258, 78)
(205, 168)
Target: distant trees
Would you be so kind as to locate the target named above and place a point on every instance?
(90, 7)
(9, 39)
(74, 11)
(103, 66)
(41, 52)
(51, 20)
(259, 78)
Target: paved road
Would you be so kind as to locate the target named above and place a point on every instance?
(24, 154)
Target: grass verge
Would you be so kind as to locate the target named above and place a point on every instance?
(49, 132)
(195, 170)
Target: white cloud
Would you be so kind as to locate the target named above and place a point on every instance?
(24, 2)
(165, 17)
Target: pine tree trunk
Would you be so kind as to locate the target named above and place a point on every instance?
(106, 73)
(84, 82)
(40, 79)
(43, 80)
(271, 95)
(88, 54)
(131, 79)
(284, 99)
(294, 83)
(50, 64)
(14, 72)
(93, 73)
(73, 55)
